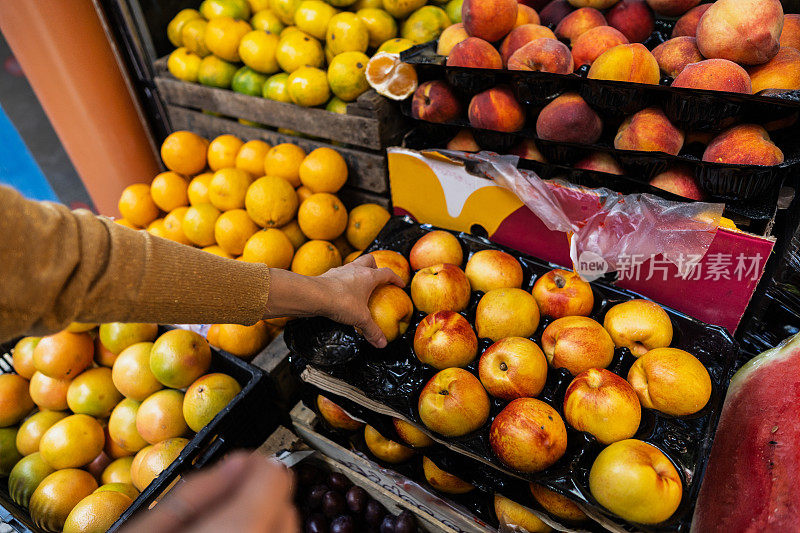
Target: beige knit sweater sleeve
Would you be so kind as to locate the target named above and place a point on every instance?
(59, 266)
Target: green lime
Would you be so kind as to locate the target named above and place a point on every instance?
(248, 81)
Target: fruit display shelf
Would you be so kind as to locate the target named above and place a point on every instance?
(389, 382)
(243, 423)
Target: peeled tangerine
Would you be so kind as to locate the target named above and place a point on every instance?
(391, 77)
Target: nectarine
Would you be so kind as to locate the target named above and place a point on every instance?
(336, 416)
(496, 109)
(445, 339)
(391, 309)
(453, 403)
(436, 247)
(512, 368)
(444, 481)
(435, 101)
(561, 293)
(506, 313)
(385, 449)
(410, 434)
(528, 435)
(493, 269)
(441, 287)
(639, 325)
(577, 343)
(670, 380)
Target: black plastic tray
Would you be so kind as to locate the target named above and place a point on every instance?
(244, 423)
(394, 378)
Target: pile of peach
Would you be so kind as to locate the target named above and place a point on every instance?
(630, 477)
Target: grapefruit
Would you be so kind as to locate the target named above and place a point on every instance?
(111, 448)
(116, 336)
(22, 356)
(102, 355)
(49, 393)
(93, 393)
(15, 399)
(119, 471)
(63, 355)
(160, 416)
(124, 488)
(31, 431)
(179, 357)
(97, 512)
(122, 426)
(57, 495)
(28, 473)
(131, 372)
(156, 460)
(72, 442)
(206, 397)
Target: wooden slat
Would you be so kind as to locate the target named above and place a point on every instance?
(367, 170)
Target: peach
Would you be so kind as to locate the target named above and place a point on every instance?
(394, 261)
(780, 72)
(411, 434)
(603, 404)
(444, 481)
(687, 24)
(336, 416)
(639, 325)
(441, 287)
(473, 52)
(436, 247)
(453, 403)
(385, 449)
(528, 435)
(569, 118)
(589, 45)
(554, 12)
(490, 20)
(633, 18)
(597, 4)
(743, 31)
(493, 269)
(464, 141)
(649, 130)
(451, 36)
(556, 504)
(675, 54)
(600, 162)
(527, 149)
(542, 55)
(391, 309)
(513, 516)
(562, 293)
(435, 101)
(505, 313)
(577, 343)
(522, 35)
(578, 22)
(496, 109)
(745, 144)
(512, 368)
(626, 62)
(672, 8)
(636, 481)
(526, 15)
(671, 381)
(679, 180)
(790, 35)
(714, 75)
(445, 339)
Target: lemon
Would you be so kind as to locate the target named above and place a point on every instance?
(176, 25)
(308, 87)
(337, 105)
(284, 9)
(193, 35)
(216, 72)
(298, 49)
(266, 20)
(237, 9)
(400, 9)
(183, 64)
(395, 46)
(248, 81)
(346, 75)
(425, 24)
(223, 35)
(453, 10)
(347, 33)
(257, 50)
(381, 26)
(276, 88)
(312, 17)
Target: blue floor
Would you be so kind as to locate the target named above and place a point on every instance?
(17, 166)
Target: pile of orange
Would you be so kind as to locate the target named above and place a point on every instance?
(93, 415)
(257, 203)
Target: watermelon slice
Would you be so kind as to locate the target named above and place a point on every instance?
(752, 483)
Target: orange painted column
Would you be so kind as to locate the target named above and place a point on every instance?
(69, 62)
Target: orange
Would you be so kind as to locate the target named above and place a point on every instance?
(352, 257)
(295, 234)
(216, 250)
(284, 161)
(49, 393)
(122, 426)
(228, 188)
(111, 449)
(206, 397)
(391, 77)
(102, 355)
(315, 258)
(223, 35)
(346, 75)
(116, 336)
(342, 244)
(57, 495)
(15, 399)
(97, 512)
(64, 354)
(183, 152)
(156, 228)
(31, 431)
(137, 206)
(323, 170)
(155, 460)
(136, 464)
(269, 246)
(198, 224)
(131, 372)
(160, 416)
(22, 356)
(168, 190)
(271, 201)
(93, 393)
(198, 188)
(347, 32)
(222, 151)
(364, 223)
(179, 357)
(123, 488)
(251, 157)
(322, 216)
(212, 335)
(303, 193)
(118, 471)
(232, 229)
(123, 222)
(27, 474)
(72, 442)
(173, 225)
(241, 341)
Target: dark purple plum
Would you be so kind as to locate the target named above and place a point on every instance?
(405, 523)
(387, 526)
(333, 504)
(339, 482)
(343, 524)
(315, 495)
(316, 523)
(373, 513)
(356, 499)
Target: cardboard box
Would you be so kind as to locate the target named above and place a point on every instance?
(436, 191)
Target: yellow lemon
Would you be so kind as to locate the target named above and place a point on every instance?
(312, 17)
(381, 26)
(222, 151)
(271, 202)
(184, 64)
(216, 72)
(223, 35)
(346, 32)
(232, 229)
(276, 88)
(257, 50)
(266, 20)
(175, 25)
(308, 87)
(346, 75)
(269, 246)
(315, 258)
(284, 160)
(193, 36)
(395, 46)
(323, 170)
(251, 157)
(322, 216)
(238, 9)
(400, 9)
(284, 9)
(297, 49)
(198, 224)
(425, 24)
(228, 188)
